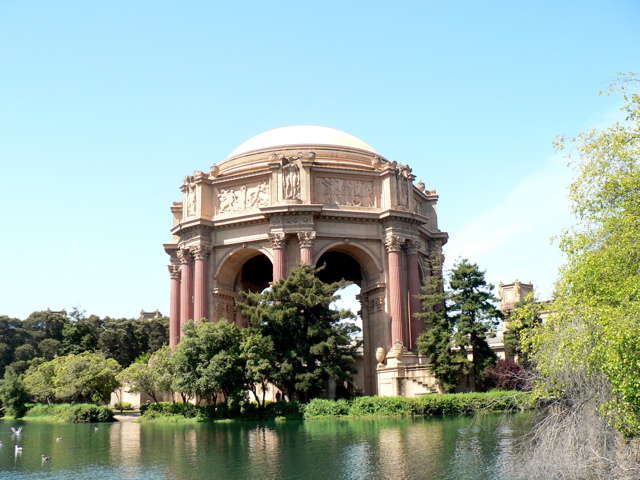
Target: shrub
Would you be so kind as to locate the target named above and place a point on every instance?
(122, 406)
(508, 375)
(73, 413)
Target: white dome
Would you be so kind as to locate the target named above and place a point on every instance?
(301, 135)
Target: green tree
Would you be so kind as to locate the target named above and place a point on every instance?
(207, 360)
(458, 321)
(597, 325)
(524, 318)
(472, 307)
(13, 395)
(259, 362)
(83, 377)
(312, 341)
(139, 378)
(12, 335)
(445, 363)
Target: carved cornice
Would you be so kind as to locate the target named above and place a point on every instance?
(278, 239)
(306, 239)
(393, 243)
(295, 219)
(174, 271)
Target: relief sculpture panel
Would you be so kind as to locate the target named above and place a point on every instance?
(244, 197)
(344, 192)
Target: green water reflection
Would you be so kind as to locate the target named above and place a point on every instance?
(420, 448)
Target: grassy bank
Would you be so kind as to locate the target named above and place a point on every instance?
(72, 413)
(450, 404)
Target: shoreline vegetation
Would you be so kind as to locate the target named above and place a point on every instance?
(358, 407)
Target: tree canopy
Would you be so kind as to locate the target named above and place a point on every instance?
(458, 321)
(312, 341)
(597, 325)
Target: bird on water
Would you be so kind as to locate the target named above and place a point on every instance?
(18, 448)
(16, 431)
(58, 439)
(45, 458)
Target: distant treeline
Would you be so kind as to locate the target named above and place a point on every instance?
(46, 335)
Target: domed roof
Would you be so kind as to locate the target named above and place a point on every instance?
(300, 135)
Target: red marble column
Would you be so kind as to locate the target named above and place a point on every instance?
(394, 249)
(278, 243)
(174, 309)
(186, 287)
(200, 253)
(413, 272)
(306, 246)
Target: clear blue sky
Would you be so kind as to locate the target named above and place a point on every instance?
(106, 106)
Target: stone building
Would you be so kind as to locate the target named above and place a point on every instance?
(314, 195)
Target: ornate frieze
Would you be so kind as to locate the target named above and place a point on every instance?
(345, 192)
(278, 239)
(283, 220)
(375, 303)
(204, 232)
(244, 197)
(403, 225)
(291, 172)
(306, 239)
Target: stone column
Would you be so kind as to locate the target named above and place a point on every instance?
(394, 253)
(174, 309)
(413, 281)
(186, 287)
(278, 243)
(306, 246)
(200, 253)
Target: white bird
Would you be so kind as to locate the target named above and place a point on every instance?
(18, 448)
(16, 431)
(45, 458)
(96, 429)
(1, 443)
(58, 439)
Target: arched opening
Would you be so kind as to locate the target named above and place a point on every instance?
(336, 266)
(339, 266)
(255, 275)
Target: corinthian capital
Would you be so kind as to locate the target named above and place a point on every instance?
(200, 252)
(412, 246)
(306, 239)
(394, 243)
(174, 271)
(184, 255)
(278, 239)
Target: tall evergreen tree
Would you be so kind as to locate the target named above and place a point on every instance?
(458, 321)
(473, 310)
(446, 363)
(312, 341)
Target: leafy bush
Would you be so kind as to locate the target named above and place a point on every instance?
(508, 375)
(122, 406)
(72, 413)
(448, 404)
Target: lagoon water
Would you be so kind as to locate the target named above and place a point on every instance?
(389, 448)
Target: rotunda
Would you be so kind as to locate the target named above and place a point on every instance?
(314, 195)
